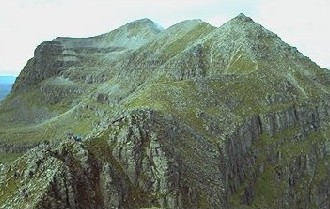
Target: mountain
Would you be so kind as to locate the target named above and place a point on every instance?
(5, 85)
(191, 116)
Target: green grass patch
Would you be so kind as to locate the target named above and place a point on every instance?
(241, 63)
(9, 157)
(268, 189)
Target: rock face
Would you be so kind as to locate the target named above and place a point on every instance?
(188, 117)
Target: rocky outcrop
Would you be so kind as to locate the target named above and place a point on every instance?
(145, 159)
(64, 177)
(46, 63)
(132, 164)
(281, 155)
(53, 57)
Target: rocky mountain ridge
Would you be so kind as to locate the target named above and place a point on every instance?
(192, 116)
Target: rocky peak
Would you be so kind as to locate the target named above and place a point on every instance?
(170, 43)
(141, 27)
(146, 24)
(53, 57)
(242, 18)
(241, 36)
(130, 36)
(245, 26)
(184, 26)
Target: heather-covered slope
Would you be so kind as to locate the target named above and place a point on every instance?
(188, 117)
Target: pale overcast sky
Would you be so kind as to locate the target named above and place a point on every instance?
(24, 24)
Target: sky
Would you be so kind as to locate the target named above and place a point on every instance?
(24, 24)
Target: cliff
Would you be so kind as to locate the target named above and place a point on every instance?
(192, 116)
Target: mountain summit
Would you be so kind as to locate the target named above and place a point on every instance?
(241, 17)
(191, 116)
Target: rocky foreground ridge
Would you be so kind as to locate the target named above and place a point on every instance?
(192, 116)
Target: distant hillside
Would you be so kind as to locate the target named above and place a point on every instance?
(5, 85)
(7, 79)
